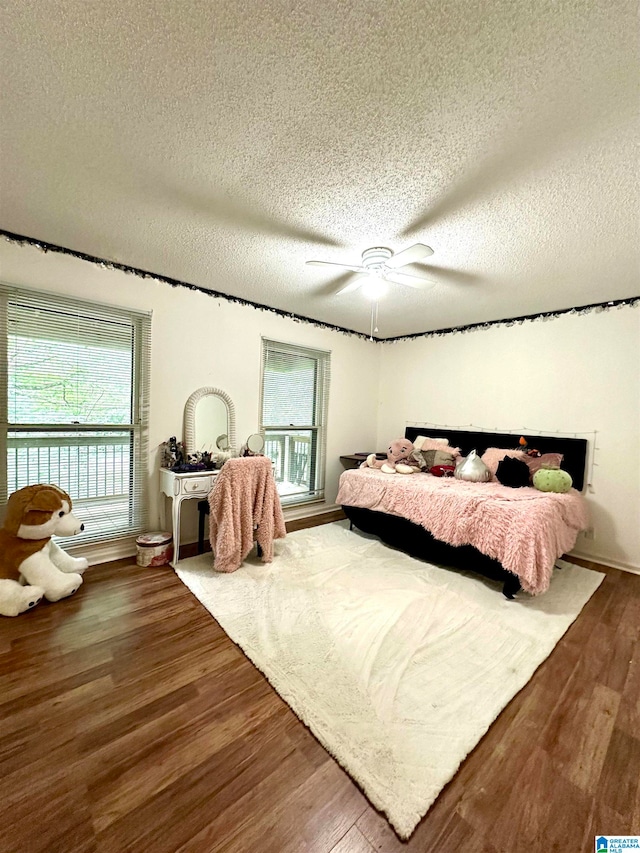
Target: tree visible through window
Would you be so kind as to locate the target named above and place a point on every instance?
(73, 392)
(295, 394)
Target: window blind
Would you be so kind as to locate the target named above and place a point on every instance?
(294, 402)
(74, 399)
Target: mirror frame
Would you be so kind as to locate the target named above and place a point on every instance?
(190, 416)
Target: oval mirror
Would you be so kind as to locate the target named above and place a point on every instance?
(208, 415)
(210, 420)
(255, 443)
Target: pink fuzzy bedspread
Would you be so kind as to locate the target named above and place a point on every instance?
(524, 529)
(244, 507)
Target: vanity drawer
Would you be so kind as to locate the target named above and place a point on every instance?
(197, 485)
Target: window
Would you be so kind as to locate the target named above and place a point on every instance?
(74, 389)
(295, 394)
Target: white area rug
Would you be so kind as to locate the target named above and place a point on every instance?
(397, 667)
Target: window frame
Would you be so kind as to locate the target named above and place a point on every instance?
(318, 428)
(137, 430)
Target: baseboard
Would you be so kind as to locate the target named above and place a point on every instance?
(105, 552)
(308, 510)
(605, 561)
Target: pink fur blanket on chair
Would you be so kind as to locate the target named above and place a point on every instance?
(244, 507)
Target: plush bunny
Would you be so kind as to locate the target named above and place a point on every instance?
(399, 459)
(32, 565)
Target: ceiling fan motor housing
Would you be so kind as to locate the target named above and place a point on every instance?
(376, 258)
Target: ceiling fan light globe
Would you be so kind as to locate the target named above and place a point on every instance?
(374, 287)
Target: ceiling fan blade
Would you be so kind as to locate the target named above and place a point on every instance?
(443, 274)
(409, 256)
(336, 285)
(354, 284)
(417, 281)
(333, 264)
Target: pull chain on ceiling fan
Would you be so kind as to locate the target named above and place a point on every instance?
(380, 262)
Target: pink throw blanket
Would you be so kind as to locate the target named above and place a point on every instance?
(244, 507)
(524, 529)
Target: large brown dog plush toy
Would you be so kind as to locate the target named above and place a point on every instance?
(32, 565)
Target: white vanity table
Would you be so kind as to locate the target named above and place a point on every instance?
(209, 412)
(182, 487)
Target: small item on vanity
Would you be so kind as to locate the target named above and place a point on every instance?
(198, 461)
(154, 549)
(176, 451)
(173, 455)
(224, 452)
(206, 459)
(253, 446)
(220, 458)
(166, 460)
(194, 463)
(222, 442)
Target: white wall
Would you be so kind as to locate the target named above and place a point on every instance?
(575, 373)
(198, 341)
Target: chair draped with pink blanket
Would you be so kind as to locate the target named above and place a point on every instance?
(244, 508)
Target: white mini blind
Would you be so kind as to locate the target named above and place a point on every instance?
(74, 400)
(293, 412)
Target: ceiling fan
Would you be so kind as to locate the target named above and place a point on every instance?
(382, 264)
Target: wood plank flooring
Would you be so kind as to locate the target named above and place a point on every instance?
(130, 722)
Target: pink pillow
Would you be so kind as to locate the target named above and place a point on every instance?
(493, 456)
(535, 463)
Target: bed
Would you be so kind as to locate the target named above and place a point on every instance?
(511, 535)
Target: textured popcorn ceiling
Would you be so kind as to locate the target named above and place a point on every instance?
(225, 142)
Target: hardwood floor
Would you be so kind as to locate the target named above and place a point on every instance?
(130, 722)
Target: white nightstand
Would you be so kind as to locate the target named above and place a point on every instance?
(182, 487)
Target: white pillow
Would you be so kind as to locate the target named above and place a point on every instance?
(420, 440)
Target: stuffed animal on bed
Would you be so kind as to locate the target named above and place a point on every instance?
(399, 459)
(32, 565)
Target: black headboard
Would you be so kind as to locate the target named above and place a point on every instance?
(574, 450)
